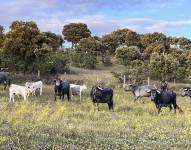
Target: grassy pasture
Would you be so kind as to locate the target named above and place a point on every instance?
(42, 123)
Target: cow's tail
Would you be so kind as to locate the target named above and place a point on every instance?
(180, 110)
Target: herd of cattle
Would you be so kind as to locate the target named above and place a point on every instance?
(162, 97)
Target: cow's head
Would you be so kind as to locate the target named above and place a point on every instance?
(57, 82)
(95, 93)
(30, 90)
(28, 85)
(57, 85)
(129, 87)
(92, 92)
(154, 93)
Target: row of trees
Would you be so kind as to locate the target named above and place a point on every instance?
(152, 54)
(25, 49)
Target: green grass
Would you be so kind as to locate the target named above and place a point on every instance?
(42, 123)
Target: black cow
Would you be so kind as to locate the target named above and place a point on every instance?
(186, 92)
(5, 79)
(164, 99)
(61, 88)
(104, 95)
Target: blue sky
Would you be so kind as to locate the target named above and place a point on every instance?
(171, 17)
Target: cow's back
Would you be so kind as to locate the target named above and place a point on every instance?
(106, 94)
(37, 84)
(142, 91)
(167, 97)
(65, 86)
(17, 89)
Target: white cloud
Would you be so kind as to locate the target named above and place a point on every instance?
(52, 15)
(101, 24)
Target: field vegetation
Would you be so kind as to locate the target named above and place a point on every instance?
(42, 123)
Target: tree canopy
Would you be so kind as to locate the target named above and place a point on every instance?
(74, 32)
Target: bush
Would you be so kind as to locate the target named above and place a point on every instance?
(83, 59)
(59, 63)
(127, 54)
(85, 54)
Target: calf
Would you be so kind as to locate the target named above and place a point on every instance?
(35, 86)
(77, 90)
(102, 96)
(164, 99)
(19, 90)
(61, 88)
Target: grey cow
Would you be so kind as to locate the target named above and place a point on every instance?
(186, 92)
(139, 91)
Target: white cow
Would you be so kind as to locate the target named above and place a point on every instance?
(19, 90)
(35, 86)
(77, 90)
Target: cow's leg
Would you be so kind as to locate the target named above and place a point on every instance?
(27, 98)
(98, 106)
(180, 110)
(176, 106)
(34, 92)
(111, 102)
(170, 108)
(62, 97)
(109, 106)
(94, 106)
(13, 98)
(24, 97)
(55, 96)
(68, 96)
(5, 86)
(41, 91)
(80, 95)
(159, 109)
(135, 99)
(10, 97)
